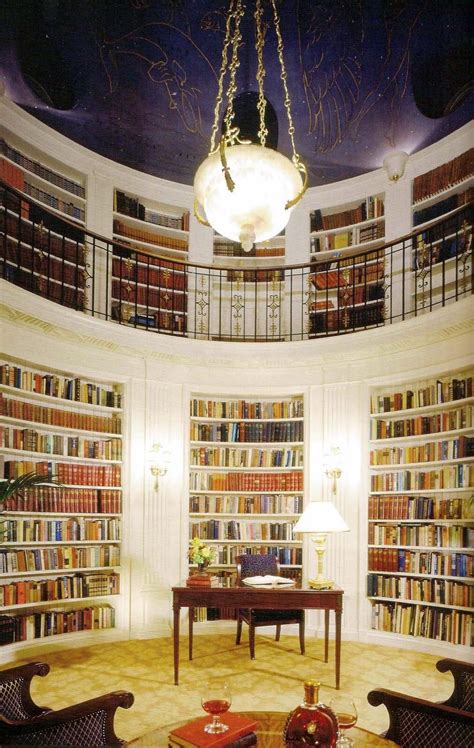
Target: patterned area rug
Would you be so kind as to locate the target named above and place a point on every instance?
(273, 681)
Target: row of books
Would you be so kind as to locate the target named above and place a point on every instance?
(440, 536)
(432, 393)
(58, 386)
(130, 205)
(73, 298)
(55, 622)
(454, 476)
(67, 244)
(452, 626)
(214, 529)
(240, 409)
(255, 276)
(66, 472)
(404, 561)
(148, 296)
(347, 318)
(230, 457)
(425, 590)
(234, 249)
(444, 176)
(364, 274)
(58, 558)
(258, 504)
(246, 481)
(174, 322)
(420, 507)
(446, 449)
(450, 420)
(41, 171)
(53, 201)
(13, 176)
(26, 411)
(42, 264)
(371, 207)
(64, 587)
(150, 237)
(344, 239)
(50, 530)
(30, 440)
(284, 431)
(442, 207)
(286, 555)
(149, 275)
(51, 499)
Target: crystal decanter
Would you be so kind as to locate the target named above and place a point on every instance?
(311, 723)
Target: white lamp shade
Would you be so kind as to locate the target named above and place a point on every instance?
(255, 210)
(394, 164)
(320, 517)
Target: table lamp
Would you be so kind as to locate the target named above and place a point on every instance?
(319, 519)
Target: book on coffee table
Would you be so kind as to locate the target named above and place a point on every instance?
(192, 734)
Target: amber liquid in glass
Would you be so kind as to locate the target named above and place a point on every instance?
(216, 706)
(346, 720)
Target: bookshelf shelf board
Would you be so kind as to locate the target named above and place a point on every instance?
(48, 543)
(87, 515)
(55, 603)
(402, 601)
(336, 254)
(80, 223)
(137, 243)
(53, 456)
(430, 437)
(42, 181)
(86, 485)
(388, 467)
(461, 520)
(448, 405)
(172, 291)
(141, 263)
(437, 196)
(50, 428)
(256, 469)
(441, 240)
(231, 567)
(363, 304)
(76, 404)
(247, 516)
(51, 256)
(74, 177)
(55, 572)
(437, 548)
(37, 274)
(420, 492)
(246, 493)
(464, 580)
(211, 419)
(244, 445)
(361, 264)
(427, 224)
(164, 230)
(348, 227)
(245, 541)
(66, 239)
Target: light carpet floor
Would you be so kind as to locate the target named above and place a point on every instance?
(273, 681)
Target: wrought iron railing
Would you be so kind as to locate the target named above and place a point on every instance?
(63, 262)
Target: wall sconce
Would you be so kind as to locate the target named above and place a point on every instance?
(333, 466)
(394, 165)
(158, 460)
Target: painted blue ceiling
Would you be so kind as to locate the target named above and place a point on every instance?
(136, 80)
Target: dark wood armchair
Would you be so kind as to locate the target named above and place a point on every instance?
(462, 696)
(250, 565)
(416, 723)
(22, 722)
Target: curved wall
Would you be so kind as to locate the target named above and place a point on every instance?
(159, 373)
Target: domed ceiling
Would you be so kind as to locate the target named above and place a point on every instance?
(136, 80)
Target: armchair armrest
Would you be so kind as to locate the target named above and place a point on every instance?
(462, 696)
(15, 698)
(416, 722)
(89, 723)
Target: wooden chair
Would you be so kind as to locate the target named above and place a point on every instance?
(417, 723)
(462, 696)
(22, 722)
(249, 565)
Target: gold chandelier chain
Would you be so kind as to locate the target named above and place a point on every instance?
(234, 64)
(220, 84)
(283, 76)
(259, 45)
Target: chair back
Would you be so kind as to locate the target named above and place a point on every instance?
(15, 699)
(256, 564)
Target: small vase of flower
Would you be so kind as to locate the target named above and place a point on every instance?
(200, 554)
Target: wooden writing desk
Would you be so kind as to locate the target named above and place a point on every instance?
(252, 597)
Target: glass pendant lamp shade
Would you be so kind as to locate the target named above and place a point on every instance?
(254, 211)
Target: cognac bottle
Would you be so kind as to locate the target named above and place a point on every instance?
(311, 723)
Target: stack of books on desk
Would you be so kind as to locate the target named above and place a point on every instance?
(202, 580)
(241, 733)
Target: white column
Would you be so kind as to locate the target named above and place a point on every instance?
(398, 261)
(99, 220)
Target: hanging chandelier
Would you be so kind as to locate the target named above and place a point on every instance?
(246, 191)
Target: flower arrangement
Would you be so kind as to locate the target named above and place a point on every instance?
(201, 554)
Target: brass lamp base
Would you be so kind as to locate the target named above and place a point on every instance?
(320, 584)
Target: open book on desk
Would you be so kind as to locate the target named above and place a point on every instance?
(268, 581)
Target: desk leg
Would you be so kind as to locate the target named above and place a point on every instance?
(190, 637)
(176, 643)
(338, 646)
(326, 635)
